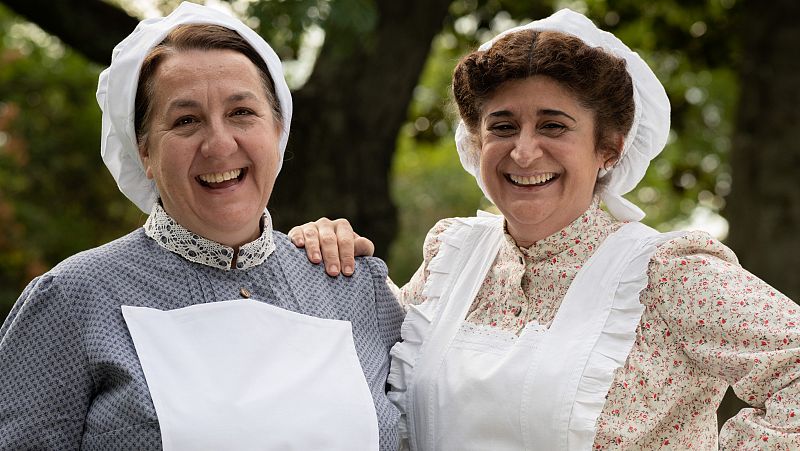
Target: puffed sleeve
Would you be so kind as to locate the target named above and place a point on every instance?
(45, 384)
(389, 312)
(736, 327)
(411, 293)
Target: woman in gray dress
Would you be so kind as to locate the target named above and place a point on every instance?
(204, 329)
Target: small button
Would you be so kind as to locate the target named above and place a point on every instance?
(244, 292)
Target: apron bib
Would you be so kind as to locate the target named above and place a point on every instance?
(475, 387)
(246, 375)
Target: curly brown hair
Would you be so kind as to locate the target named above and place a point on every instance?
(195, 37)
(599, 80)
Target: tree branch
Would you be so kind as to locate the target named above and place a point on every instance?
(92, 27)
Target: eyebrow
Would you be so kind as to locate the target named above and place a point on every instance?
(543, 112)
(181, 103)
(243, 95)
(189, 103)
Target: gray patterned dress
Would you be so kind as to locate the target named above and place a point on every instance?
(69, 374)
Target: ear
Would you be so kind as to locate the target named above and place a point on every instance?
(610, 156)
(144, 156)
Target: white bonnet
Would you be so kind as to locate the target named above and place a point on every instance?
(648, 133)
(116, 94)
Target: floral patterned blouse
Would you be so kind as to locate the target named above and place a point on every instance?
(707, 324)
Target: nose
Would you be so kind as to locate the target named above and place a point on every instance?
(220, 140)
(526, 150)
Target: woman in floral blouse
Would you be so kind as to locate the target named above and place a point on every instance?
(559, 325)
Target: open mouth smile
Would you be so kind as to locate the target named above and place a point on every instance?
(534, 180)
(217, 180)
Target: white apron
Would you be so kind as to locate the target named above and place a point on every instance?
(245, 375)
(468, 387)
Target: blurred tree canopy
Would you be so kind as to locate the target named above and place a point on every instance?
(372, 132)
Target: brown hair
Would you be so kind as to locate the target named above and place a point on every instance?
(599, 80)
(195, 37)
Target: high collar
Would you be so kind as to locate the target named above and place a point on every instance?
(175, 238)
(576, 232)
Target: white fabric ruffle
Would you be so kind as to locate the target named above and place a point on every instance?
(610, 351)
(416, 325)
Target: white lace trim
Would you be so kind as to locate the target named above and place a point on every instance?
(495, 338)
(175, 238)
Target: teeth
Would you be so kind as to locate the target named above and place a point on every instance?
(219, 177)
(532, 180)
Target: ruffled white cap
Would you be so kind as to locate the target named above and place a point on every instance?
(648, 133)
(116, 94)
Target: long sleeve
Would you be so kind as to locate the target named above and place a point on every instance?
(45, 382)
(388, 310)
(735, 327)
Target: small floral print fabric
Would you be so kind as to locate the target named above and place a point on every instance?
(175, 238)
(707, 324)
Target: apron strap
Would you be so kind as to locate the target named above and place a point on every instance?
(481, 245)
(590, 337)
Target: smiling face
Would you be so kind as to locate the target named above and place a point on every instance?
(538, 159)
(212, 143)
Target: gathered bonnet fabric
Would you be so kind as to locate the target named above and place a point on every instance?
(116, 94)
(648, 133)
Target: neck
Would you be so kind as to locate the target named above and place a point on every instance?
(525, 235)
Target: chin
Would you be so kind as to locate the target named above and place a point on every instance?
(529, 213)
(231, 219)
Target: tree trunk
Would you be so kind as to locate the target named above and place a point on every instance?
(347, 118)
(764, 209)
(764, 205)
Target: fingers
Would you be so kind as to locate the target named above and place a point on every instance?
(296, 236)
(307, 236)
(311, 240)
(346, 245)
(363, 246)
(333, 243)
(329, 245)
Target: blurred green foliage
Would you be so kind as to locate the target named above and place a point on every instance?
(56, 198)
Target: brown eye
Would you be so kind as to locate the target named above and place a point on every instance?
(185, 120)
(502, 128)
(553, 128)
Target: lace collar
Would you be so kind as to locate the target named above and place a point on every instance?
(576, 232)
(175, 238)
